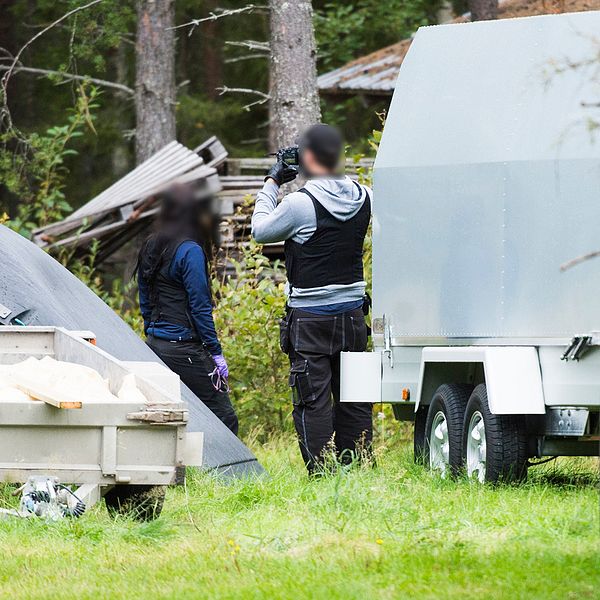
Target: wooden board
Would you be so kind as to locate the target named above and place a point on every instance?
(37, 393)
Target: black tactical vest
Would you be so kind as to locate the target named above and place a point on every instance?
(333, 254)
(169, 298)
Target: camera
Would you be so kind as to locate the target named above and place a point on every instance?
(289, 156)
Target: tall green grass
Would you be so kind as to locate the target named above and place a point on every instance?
(394, 531)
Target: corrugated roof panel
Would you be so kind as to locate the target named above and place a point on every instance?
(168, 163)
(174, 163)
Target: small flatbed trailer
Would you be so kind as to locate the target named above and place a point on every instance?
(487, 180)
(124, 450)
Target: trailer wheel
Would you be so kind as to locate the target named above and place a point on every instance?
(494, 446)
(142, 502)
(444, 428)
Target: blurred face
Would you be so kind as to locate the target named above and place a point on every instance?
(311, 167)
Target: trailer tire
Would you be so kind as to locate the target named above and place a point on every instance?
(142, 502)
(419, 435)
(446, 416)
(504, 442)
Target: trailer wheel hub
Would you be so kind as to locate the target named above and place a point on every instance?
(476, 447)
(439, 444)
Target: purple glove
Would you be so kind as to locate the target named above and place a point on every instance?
(221, 365)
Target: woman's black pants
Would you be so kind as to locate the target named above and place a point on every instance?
(193, 364)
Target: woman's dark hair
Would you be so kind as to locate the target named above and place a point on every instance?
(182, 217)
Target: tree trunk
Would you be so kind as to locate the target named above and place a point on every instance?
(483, 10)
(212, 57)
(154, 77)
(445, 12)
(294, 103)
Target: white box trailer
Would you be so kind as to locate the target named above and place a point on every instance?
(487, 180)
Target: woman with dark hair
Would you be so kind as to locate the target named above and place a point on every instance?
(176, 301)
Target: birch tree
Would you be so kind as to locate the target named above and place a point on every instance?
(155, 76)
(294, 97)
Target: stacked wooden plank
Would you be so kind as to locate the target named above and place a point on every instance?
(237, 201)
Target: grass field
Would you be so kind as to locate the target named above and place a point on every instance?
(390, 532)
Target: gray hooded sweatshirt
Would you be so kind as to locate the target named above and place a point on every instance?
(294, 218)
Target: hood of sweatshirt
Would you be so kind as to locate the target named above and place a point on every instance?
(341, 197)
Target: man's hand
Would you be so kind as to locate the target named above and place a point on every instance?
(281, 173)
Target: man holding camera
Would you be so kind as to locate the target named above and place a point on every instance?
(323, 225)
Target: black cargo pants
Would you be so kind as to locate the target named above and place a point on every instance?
(313, 343)
(192, 362)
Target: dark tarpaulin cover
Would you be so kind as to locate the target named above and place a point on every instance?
(40, 291)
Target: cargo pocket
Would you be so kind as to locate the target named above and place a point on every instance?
(359, 334)
(284, 335)
(302, 392)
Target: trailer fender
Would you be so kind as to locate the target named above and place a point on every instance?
(512, 375)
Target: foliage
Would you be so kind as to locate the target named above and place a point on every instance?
(90, 34)
(249, 306)
(98, 31)
(34, 168)
(394, 531)
(347, 30)
(200, 117)
(119, 295)
(247, 312)
(99, 42)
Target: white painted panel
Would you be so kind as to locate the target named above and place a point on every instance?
(360, 375)
(486, 181)
(514, 381)
(158, 375)
(573, 382)
(194, 448)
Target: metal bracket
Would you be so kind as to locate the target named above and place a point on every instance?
(109, 451)
(577, 348)
(89, 494)
(4, 311)
(387, 340)
(566, 421)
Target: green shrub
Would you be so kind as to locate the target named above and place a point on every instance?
(247, 315)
